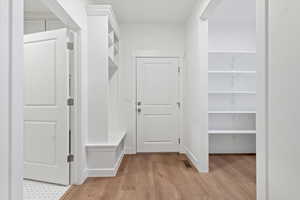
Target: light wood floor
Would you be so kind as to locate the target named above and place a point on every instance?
(165, 177)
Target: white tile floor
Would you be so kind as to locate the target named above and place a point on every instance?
(43, 191)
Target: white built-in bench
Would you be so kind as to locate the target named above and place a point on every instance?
(103, 160)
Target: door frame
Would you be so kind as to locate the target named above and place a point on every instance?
(155, 54)
(11, 101)
(73, 110)
(262, 99)
(75, 120)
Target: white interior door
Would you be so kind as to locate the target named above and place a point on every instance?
(157, 114)
(46, 125)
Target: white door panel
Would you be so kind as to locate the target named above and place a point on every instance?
(157, 90)
(46, 125)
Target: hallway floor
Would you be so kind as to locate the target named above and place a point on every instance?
(34, 190)
(166, 177)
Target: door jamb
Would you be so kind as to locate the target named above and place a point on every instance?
(67, 19)
(12, 66)
(262, 136)
(155, 54)
(74, 169)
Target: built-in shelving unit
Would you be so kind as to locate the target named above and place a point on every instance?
(113, 49)
(232, 91)
(105, 147)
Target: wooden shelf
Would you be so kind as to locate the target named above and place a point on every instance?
(232, 92)
(110, 40)
(116, 50)
(231, 72)
(232, 52)
(112, 67)
(232, 112)
(226, 132)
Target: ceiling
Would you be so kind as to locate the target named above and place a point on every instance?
(150, 11)
(165, 11)
(235, 10)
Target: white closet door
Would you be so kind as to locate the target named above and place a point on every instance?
(157, 92)
(46, 126)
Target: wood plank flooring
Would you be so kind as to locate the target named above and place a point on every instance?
(166, 177)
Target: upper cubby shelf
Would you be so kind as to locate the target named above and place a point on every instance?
(112, 68)
(104, 37)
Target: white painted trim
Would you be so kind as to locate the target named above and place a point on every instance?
(104, 10)
(110, 145)
(194, 160)
(106, 172)
(156, 54)
(209, 9)
(76, 143)
(130, 151)
(262, 14)
(11, 101)
(84, 176)
(100, 148)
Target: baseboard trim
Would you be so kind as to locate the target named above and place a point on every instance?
(130, 151)
(106, 172)
(195, 161)
(84, 176)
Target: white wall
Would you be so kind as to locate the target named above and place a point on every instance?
(283, 100)
(98, 80)
(231, 35)
(11, 101)
(196, 89)
(167, 38)
(261, 100)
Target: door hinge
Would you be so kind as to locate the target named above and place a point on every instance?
(179, 70)
(178, 104)
(70, 46)
(179, 141)
(70, 102)
(70, 158)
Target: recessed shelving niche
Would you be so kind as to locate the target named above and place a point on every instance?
(232, 92)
